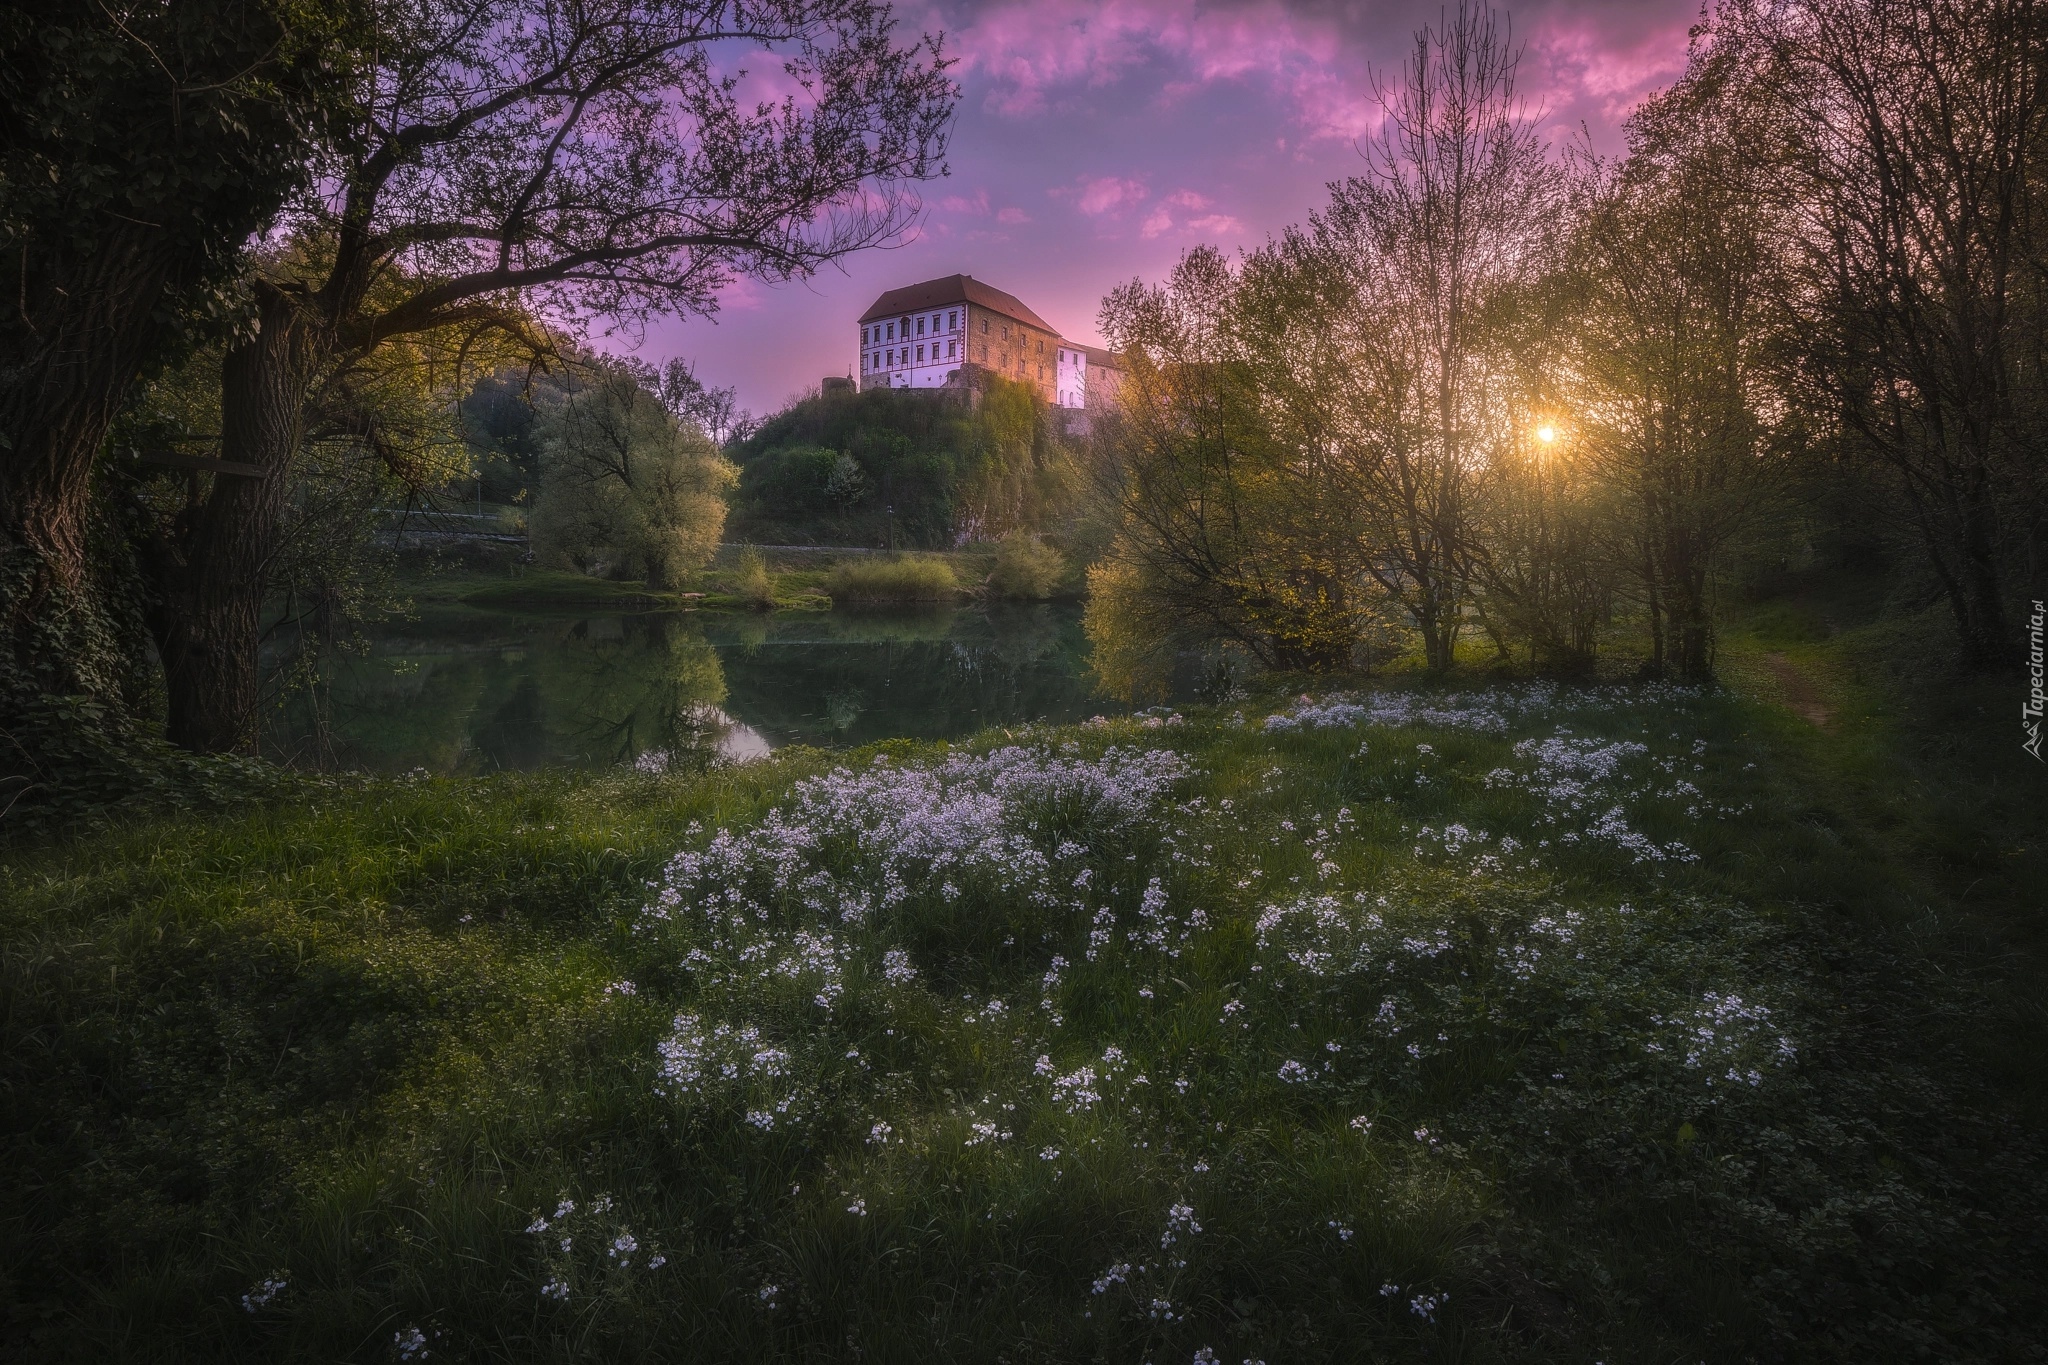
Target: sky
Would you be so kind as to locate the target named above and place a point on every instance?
(1097, 140)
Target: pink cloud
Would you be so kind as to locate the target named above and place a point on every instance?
(1012, 214)
(1032, 55)
(1586, 58)
(1163, 220)
(1578, 65)
(955, 203)
(1109, 195)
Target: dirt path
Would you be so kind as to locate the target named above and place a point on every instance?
(1799, 692)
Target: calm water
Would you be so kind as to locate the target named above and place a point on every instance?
(470, 691)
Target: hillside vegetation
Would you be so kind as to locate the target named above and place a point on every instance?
(826, 469)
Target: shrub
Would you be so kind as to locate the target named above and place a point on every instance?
(1026, 568)
(750, 579)
(908, 579)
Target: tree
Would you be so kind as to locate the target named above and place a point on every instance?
(1912, 138)
(140, 146)
(715, 412)
(1678, 282)
(1230, 528)
(625, 486)
(1448, 218)
(586, 161)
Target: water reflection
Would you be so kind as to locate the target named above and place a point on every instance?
(465, 690)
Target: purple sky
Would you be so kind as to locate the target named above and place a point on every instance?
(1096, 141)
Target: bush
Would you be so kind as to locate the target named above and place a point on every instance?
(893, 580)
(1026, 568)
(750, 579)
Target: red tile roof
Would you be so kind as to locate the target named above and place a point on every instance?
(914, 298)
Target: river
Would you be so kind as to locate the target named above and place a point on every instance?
(464, 690)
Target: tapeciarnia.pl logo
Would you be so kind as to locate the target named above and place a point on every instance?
(2030, 711)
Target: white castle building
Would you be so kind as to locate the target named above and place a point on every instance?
(925, 336)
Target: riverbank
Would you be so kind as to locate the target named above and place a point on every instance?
(1508, 1023)
(798, 578)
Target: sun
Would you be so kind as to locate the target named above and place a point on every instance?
(1546, 434)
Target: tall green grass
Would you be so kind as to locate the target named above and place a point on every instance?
(749, 580)
(911, 578)
(362, 1039)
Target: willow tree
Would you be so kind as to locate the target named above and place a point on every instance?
(626, 485)
(593, 160)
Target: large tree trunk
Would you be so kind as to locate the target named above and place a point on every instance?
(67, 358)
(211, 579)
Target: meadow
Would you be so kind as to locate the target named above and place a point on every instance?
(1509, 1022)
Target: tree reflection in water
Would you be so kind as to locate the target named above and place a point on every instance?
(469, 691)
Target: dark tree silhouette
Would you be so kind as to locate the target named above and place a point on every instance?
(140, 145)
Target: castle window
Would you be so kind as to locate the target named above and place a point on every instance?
(920, 353)
(953, 321)
(952, 349)
(984, 326)
(892, 331)
(920, 326)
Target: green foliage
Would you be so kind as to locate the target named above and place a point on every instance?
(1131, 640)
(749, 579)
(190, 121)
(913, 578)
(68, 765)
(1026, 568)
(627, 491)
(826, 468)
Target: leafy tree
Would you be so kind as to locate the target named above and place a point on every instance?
(1230, 524)
(594, 160)
(1448, 218)
(1026, 568)
(627, 488)
(1677, 345)
(140, 146)
(1911, 139)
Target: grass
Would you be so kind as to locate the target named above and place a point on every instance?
(365, 1041)
(542, 589)
(911, 578)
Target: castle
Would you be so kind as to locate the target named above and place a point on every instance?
(929, 335)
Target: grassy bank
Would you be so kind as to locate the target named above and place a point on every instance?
(795, 580)
(1508, 1024)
